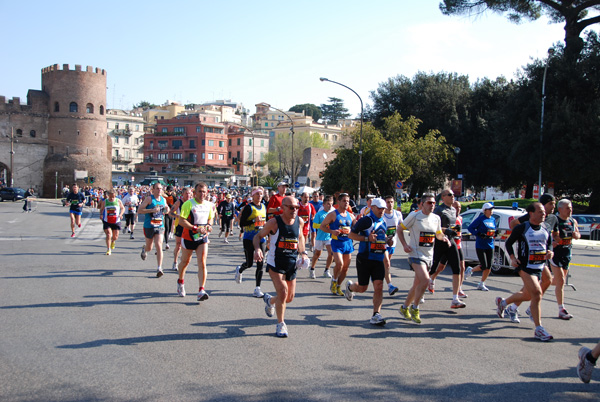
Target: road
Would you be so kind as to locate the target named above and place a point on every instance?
(79, 325)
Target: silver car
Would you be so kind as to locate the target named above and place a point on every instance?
(589, 225)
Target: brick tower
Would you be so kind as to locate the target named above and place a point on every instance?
(77, 133)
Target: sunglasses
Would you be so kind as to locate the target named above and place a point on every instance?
(430, 202)
(296, 207)
(450, 194)
(343, 194)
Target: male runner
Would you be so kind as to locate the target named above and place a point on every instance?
(274, 206)
(253, 218)
(155, 207)
(567, 231)
(424, 227)
(323, 240)
(370, 231)
(287, 243)
(111, 213)
(225, 211)
(317, 205)
(130, 201)
(307, 213)
(75, 201)
(196, 218)
(484, 230)
(338, 224)
(168, 221)
(534, 242)
(392, 219)
(175, 212)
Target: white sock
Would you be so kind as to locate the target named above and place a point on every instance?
(455, 297)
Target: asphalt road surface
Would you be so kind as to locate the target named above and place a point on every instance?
(79, 325)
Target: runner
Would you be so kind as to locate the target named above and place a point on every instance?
(155, 207)
(587, 360)
(196, 218)
(75, 201)
(317, 205)
(175, 212)
(534, 241)
(274, 207)
(111, 213)
(287, 244)
(323, 240)
(484, 230)
(370, 231)
(225, 210)
(338, 224)
(253, 219)
(392, 219)
(170, 199)
(567, 231)
(307, 213)
(131, 202)
(424, 227)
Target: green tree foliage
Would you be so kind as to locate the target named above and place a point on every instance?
(145, 105)
(311, 110)
(396, 152)
(573, 13)
(334, 110)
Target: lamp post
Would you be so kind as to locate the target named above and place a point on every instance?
(550, 53)
(292, 131)
(361, 133)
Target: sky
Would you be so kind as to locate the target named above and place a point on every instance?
(198, 51)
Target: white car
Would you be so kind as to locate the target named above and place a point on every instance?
(585, 223)
(503, 217)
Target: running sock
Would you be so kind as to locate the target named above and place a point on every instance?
(560, 307)
(454, 297)
(591, 358)
(504, 303)
(180, 281)
(415, 307)
(201, 289)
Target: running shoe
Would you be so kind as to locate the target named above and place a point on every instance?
(159, 272)
(563, 314)
(422, 300)
(202, 295)
(513, 314)
(258, 292)
(312, 274)
(226, 241)
(339, 291)
(131, 237)
(143, 254)
(482, 286)
(171, 236)
(112, 245)
(348, 293)
(392, 290)
(333, 287)
(73, 234)
(124, 230)
(238, 274)
(167, 246)
(414, 313)
(405, 313)
(431, 286)
(462, 294)
(326, 274)
(500, 307)
(79, 224)
(457, 304)
(220, 233)
(107, 252)
(377, 319)
(468, 272)
(174, 267)
(181, 290)
(269, 308)
(585, 367)
(281, 330)
(543, 335)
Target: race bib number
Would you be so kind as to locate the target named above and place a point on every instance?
(288, 244)
(426, 239)
(304, 218)
(344, 231)
(378, 247)
(490, 233)
(391, 231)
(537, 257)
(259, 222)
(74, 203)
(228, 213)
(111, 214)
(565, 241)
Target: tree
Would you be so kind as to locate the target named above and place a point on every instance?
(311, 110)
(144, 105)
(573, 13)
(334, 111)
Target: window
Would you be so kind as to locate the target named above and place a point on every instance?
(202, 155)
(179, 129)
(165, 130)
(229, 142)
(177, 144)
(137, 141)
(126, 126)
(210, 156)
(266, 124)
(221, 144)
(56, 107)
(89, 108)
(250, 141)
(163, 144)
(238, 141)
(238, 155)
(229, 155)
(151, 145)
(211, 143)
(73, 107)
(198, 129)
(116, 140)
(137, 127)
(221, 157)
(126, 140)
(208, 129)
(116, 153)
(19, 132)
(325, 136)
(116, 126)
(250, 157)
(203, 142)
(32, 133)
(163, 157)
(177, 156)
(193, 144)
(101, 109)
(335, 137)
(262, 143)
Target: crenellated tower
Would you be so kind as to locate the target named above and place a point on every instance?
(77, 131)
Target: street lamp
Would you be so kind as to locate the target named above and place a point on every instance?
(361, 133)
(550, 53)
(292, 130)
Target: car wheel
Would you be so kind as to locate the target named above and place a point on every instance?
(500, 262)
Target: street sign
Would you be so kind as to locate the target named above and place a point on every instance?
(399, 184)
(297, 184)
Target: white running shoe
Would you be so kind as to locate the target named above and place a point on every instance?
(585, 367)
(159, 272)
(143, 254)
(513, 314)
(281, 330)
(174, 267)
(202, 295)
(468, 272)
(563, 314)
(226, 241)
(377, 319)
(543, 335)
(347, 292)
(238, 274)
(167, 246)
(180, 289)
(482, 286)
(326, 274)
(269, 308)
(312, 274)
(258, 292)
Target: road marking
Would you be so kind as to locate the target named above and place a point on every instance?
(586, 265)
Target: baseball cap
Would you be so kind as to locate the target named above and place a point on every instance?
(487, 205)
(379, 203)
(228, 196)
(370, 196)
(283, 183)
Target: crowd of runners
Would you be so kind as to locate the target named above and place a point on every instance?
(280, 228)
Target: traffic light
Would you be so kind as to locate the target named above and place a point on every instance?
(234, 161)
(92, 179)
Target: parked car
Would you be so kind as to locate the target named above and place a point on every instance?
(12, 194)
(585, 223)
(503, 217)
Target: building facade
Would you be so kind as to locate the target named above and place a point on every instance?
(126, 132)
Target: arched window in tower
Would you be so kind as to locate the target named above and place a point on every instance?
(19, 132)
(101, 109)
(73, 107)
(56, 107)
(89, 108)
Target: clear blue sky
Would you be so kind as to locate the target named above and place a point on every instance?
(257, 51)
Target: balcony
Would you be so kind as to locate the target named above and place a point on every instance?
(169, 133)
(121, 159)
(122, 131)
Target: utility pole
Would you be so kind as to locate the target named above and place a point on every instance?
(12, 157)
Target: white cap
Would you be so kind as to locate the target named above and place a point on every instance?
(282, 183)
(487, 205)
(378, 202)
